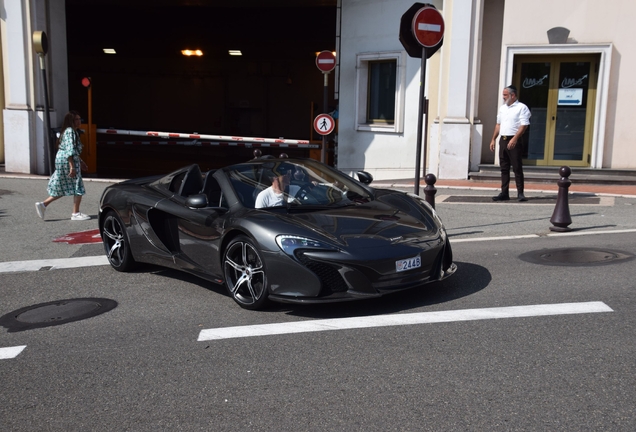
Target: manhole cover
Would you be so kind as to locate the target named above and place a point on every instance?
(55, 313)
(575, 256)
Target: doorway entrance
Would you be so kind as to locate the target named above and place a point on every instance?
(560, 91)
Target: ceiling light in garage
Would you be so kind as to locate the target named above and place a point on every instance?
(187, 52)
(235, 52)
(109, 51)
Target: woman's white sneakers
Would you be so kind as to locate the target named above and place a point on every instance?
(40, 208)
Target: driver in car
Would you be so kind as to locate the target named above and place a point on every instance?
(275, 194)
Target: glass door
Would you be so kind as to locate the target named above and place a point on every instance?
(561, 93)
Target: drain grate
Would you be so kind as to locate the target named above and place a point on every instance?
(55, 313)
(576, 257)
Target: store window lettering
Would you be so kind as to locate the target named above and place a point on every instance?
(533, 82)
(571, 82)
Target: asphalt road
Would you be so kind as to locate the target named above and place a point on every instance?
(141, 367)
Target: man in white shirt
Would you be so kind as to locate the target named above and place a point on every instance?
(513, 118)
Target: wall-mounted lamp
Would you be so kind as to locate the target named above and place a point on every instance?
(235, 52)
(558, 35)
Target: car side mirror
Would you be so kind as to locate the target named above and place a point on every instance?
(197, 201)
(364, 177)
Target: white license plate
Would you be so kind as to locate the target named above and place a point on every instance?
(408, 264)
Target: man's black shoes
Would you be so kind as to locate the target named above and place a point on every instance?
(501, 197)
(504, 197)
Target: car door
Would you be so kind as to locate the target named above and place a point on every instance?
(198, 232)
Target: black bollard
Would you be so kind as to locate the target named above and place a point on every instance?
(429, 190)
(561, 216)
(283, 156)
(257, 153)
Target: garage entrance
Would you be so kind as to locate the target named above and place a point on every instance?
(147, 84)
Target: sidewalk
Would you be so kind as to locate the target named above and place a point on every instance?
(628, 191)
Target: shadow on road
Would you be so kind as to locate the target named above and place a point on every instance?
(468, 279)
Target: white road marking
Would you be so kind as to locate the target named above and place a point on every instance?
(402, 319)
(476, 239)
(552, 234)
(11, 352)
(604, 201)
(53, 264)
(90, 261)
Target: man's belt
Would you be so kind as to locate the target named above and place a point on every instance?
(507, 137)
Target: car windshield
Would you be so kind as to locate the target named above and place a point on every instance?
(293, 183)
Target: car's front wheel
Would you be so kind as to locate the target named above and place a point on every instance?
(245, 276)
(116, 243)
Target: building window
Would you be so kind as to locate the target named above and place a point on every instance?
(380, 91)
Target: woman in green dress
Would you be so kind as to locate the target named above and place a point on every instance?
(66, 180)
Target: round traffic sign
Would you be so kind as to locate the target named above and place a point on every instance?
(428, 27)
(324, 124)
(326, 61)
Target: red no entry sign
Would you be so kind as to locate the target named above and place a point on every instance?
(326, 61)
(324, 124)
(428, 27)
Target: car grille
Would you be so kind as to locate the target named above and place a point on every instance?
(330, 277)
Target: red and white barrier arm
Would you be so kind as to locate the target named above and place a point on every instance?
(269, 142)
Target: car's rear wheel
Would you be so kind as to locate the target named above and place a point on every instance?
(116, 243)
(245, 276)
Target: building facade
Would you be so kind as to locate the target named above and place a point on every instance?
(570, 60)
(22, 96)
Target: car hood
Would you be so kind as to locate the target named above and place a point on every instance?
(374, 224)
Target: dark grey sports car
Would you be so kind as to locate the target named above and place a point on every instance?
(288, 230)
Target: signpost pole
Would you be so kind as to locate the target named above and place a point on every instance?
(90, 110)
(41, 47)
(325, 103)
(325, 62)
(420, 120)
(422, 34)
(48, 144)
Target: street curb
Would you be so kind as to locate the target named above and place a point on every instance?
(378, 185)
(477, 188)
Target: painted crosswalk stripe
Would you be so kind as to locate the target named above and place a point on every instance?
(11, 352)
(53, 264)
(402, 319)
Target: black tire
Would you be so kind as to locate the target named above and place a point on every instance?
(116, 244)
(245, 277)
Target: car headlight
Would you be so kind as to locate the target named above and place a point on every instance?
(289, 244)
